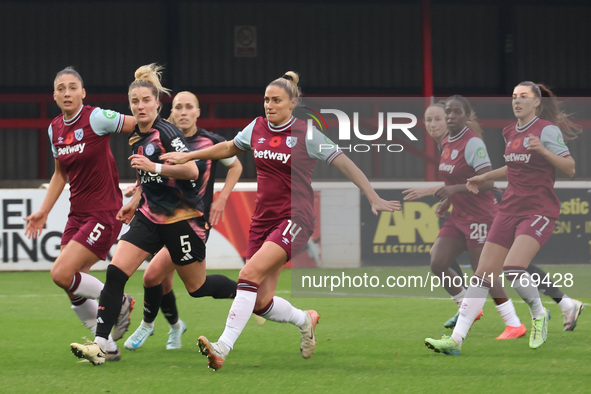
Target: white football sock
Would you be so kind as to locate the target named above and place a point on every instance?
(148, 325)
(566, 303)
(89, 286)
(459, 297)
(86, 312)
(471, 307)
(524, 285)
(102, 342)
(111, 345)
(106, 345)
(240, 312)
(507, 312)
(282, 311)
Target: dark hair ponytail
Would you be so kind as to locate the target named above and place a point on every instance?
(550, 109)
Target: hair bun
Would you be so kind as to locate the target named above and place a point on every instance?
(292, 77)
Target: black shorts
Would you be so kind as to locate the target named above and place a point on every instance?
(181, 238)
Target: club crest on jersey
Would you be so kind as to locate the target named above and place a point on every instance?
(454, 154)
(291, 141)
(526, 142)
(79, 134)
(149, 150)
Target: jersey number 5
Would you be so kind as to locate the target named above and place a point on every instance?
(96, 232)
(185, 244)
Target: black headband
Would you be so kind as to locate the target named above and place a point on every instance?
(288, 77)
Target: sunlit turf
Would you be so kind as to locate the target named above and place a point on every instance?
(364, 345)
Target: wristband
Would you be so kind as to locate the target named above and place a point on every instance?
(158, 168)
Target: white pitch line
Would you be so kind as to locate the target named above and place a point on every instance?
(290, 292)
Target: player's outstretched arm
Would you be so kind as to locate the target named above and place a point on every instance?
(419, 192)
(127, 211)
(446, 192)
(473, 184)
(36, 221)
(186, 171)
(219, 204)
(351, 171)
(223, 150)
(129, 123)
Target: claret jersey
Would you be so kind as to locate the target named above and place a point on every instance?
(82, 147)
(461, 157)
(530, 176)
(165, 200)
(285, 158)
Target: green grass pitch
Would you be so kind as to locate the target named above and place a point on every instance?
(364, 345)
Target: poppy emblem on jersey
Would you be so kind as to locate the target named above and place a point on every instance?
(275, 141)
(516, 143)
(149, 150)
(140, 150)
(454, 154)
(445, 153)
(291, 141)
(526, 142)
(69, 138)
(79, 134)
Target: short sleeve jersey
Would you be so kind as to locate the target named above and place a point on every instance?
(461, 157)
(82, 147)
(285, 158)
(530, 177)
(201, 140)
(165, 200)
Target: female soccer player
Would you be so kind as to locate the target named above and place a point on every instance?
(284, 215)
(436, 127)
(158, 277)
(80, 141)
(167, 215)
(463, 156)
(534, 149)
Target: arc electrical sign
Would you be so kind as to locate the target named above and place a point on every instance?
(406, 237)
